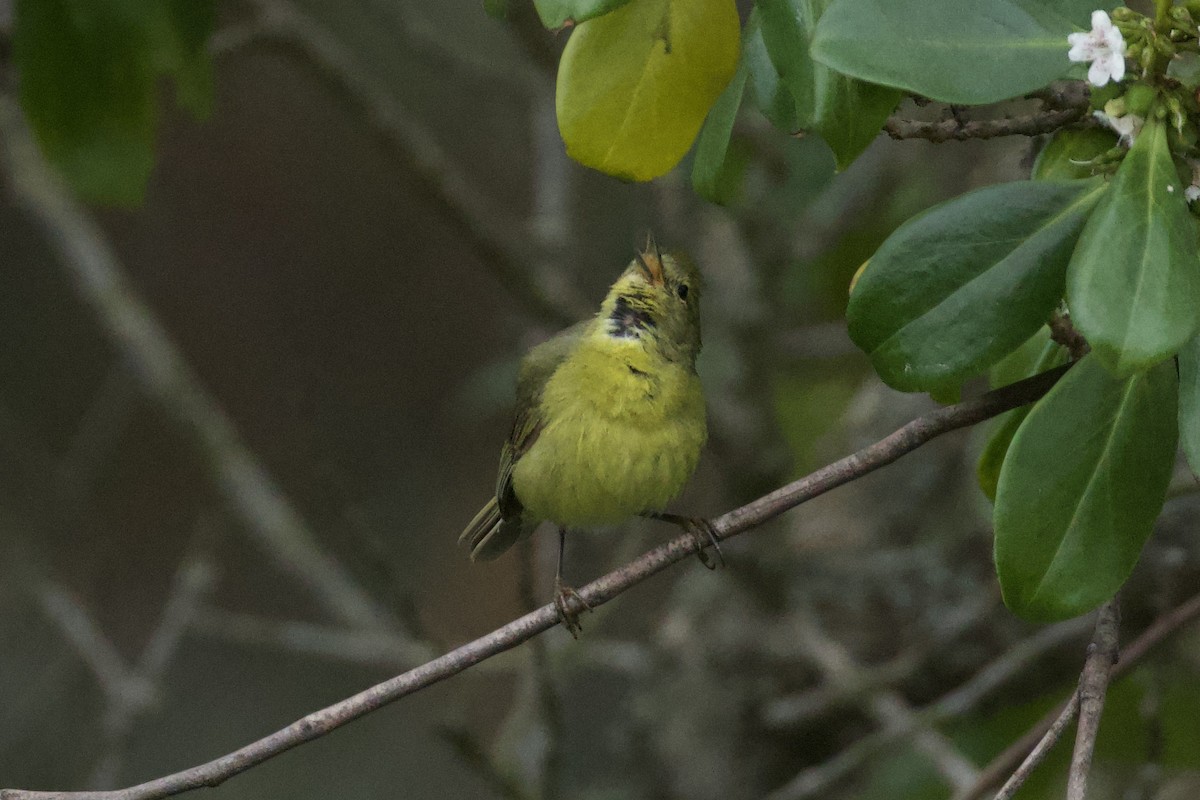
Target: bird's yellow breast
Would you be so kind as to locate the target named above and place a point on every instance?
(622, 433)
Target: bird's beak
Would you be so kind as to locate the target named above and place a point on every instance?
(650, 263)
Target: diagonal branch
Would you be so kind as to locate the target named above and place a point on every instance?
(499, 238)
(1042, 749)
(249, 491)
(1093, 685)
(1003, 764)
(867, 460)
(818, 780)
(889, 708)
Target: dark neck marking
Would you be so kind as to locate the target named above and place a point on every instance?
(627, 320)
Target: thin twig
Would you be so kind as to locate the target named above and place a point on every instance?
(1093, 686)
(798, 709)
(118, 682)
(1087, 702)
(193, 579)
(887, 706)
(1040, 750)
(1003, 764)
(351, 645)
(873, 457)
(500, 239)
(817, 781)
(249, 491)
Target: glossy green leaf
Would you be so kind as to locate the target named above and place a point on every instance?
(766, 90)
(847, 113)
(709, 173)
(556, 14)
(1189, 402)
(1134, 281)
(956, 289)
(1082, 483)
(1065, 157)
(635, 85)
(1038, 354)
(956, 51)
(991, 458)
(1077, 12)
(1028, 359)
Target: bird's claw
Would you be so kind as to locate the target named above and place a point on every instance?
(564, 598)
(704, 534)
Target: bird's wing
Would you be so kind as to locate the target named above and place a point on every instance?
(536, 368)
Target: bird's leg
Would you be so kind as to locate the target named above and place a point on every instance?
(565, 595)
(700, 529)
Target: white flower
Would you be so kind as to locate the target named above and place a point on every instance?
(1127, 126)
(1192, 193)
(1104, 46)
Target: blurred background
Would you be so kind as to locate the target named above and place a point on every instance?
(243, 422)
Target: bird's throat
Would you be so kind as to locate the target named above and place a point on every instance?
(629, 319)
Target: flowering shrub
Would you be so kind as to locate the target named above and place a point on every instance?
(1098, 249)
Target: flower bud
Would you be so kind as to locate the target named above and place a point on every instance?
(1164, 46)
(1147, 59)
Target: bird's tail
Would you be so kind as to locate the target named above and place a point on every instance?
(489, 534)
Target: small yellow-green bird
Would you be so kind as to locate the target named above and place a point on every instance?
(609, 421)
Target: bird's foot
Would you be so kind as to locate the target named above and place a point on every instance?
(702, 531)
(570, 604)
(704, 534)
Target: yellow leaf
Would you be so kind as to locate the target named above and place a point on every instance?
(635, 85)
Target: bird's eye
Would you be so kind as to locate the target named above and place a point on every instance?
(682, 291)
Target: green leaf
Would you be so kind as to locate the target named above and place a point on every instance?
(180, 29)
(954, 290)
(767, 91)
(1185, 68)
(635, 85)
(1065, 157)
(956, 51)
(991, 459)
(1083, 481)
(1028, 359)
(556, 14)
(1134, 281)
(89, 73)
(1189, 402)
(847, 113)
(87, 86)
(710, 177)
(1038, 354)
(1078, 12)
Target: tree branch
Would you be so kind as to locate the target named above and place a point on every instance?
(1003, 764)
(816, 781)
(889, 708)
(1043, 747)
(953, 129)
(162, 372)
(500, 239)
(596, 593)
(1093, 685)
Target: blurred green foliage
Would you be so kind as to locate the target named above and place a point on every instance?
(89, 83)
